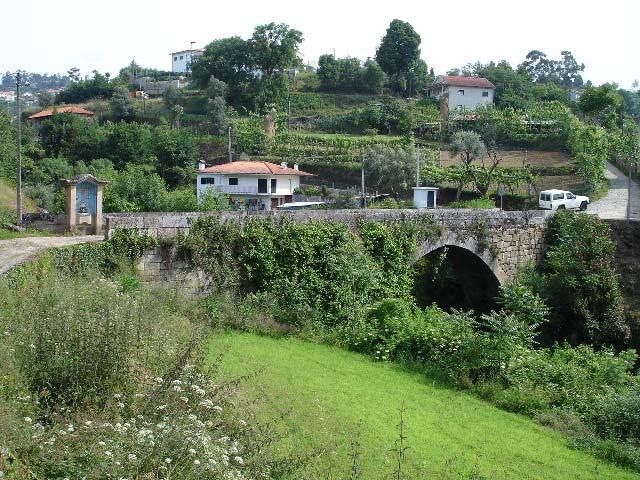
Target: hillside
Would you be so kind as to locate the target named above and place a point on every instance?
(334, 398)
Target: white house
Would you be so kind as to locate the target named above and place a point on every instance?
(253, 185)
(181, 61)
(464, 93)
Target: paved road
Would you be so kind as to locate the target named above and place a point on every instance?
(18, 250)
(614, 205)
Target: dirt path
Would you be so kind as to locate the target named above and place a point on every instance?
(18, 250)
(614, 205)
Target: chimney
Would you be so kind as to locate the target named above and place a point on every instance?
(295, 166)
(283, 165)
(201, 165)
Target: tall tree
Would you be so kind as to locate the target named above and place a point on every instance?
(274, 46)
(399, 50)
(227, 59)
(603, 105)
(328, 72)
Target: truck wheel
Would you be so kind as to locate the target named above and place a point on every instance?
(561, 207)
(583, 206)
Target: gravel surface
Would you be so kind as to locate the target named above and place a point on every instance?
(18, 250)
(614, 205)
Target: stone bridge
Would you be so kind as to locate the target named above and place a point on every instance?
(502, 240)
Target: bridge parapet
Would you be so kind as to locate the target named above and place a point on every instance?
(502, 240)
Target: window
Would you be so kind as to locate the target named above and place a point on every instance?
(485, 94)
(571, 196)
(558, 196)
(233, 181)
(274, 185)
(461, 92)
(262, 185)
(181, 57)
(545, 197)
(207, 180)
(175, 59)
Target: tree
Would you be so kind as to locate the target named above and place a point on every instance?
(121, 104)
(175, 114)
(74, 74)
(217, 115)
(470, 147)
(274, 46)
(329, 73)
(227, 59)
(216, 88)
(399, 50)
(602, 105)
(390, 169)
(60, 133)
(373, 78)
(418, 77)
(171, 97)
(564, 72)
(45, 98)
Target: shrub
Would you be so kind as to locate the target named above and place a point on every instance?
(77, 343)
(478, 203)
(581, 285)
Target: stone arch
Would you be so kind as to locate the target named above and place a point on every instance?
(469, 244)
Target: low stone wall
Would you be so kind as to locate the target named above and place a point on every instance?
(49, 222)
(171, 224)
(502, 240)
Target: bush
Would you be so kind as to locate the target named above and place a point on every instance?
(582, 287)
(477, 203)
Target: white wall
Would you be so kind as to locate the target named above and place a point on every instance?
(471, 99)
(285, 185)
(179, 65)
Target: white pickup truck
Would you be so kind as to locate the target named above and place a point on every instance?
(561, 200)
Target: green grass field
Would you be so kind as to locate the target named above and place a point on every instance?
(335, 397)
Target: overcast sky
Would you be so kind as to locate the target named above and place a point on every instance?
(54, 35)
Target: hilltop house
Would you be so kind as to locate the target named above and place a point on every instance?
(181, 61)
(254, 185)
(464, 93)
(37, 118)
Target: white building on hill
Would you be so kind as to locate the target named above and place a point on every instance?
(464, 93)
(181, 61)
(253, 185)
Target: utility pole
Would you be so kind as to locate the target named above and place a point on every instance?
(637, 119)
(363, 195)
(289, 116)
(19, 83)
(230, 156)
(418, 167)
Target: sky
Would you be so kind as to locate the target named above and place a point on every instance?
(51, 36)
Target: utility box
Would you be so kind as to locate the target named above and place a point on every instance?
(425, 197)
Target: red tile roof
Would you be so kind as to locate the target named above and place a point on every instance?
(48, 112)
(252, 168)
(457, 81)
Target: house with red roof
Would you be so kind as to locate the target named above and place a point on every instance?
(251, 184)
(463, 93)
(37, 118)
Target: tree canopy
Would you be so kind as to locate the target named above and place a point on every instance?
(399, 49)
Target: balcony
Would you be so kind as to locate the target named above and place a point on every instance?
(244, 190)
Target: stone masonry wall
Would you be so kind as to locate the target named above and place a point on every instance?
(503, 240)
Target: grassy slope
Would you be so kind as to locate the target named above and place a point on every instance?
(333, 394)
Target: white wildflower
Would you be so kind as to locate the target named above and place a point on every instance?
(192, 451)
(239, 460)
(132, 457)
(167, 460)
(28, 419)
(196, 462)
(108, 453)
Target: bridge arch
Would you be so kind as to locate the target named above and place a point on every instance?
(450, 239)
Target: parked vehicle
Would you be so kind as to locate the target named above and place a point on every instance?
(562, 200)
